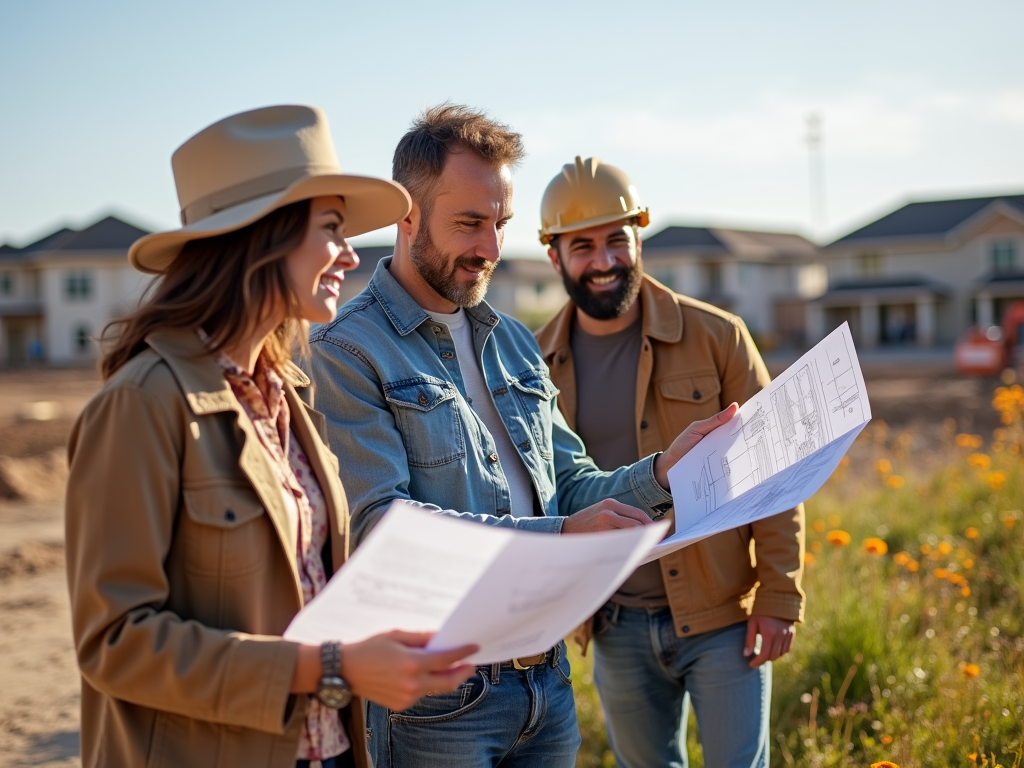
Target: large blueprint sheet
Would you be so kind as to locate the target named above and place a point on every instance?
(512, 593)
(777, 451)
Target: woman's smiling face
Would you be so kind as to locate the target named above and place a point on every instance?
(316, 267)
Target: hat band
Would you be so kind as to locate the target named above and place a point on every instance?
(250, 189)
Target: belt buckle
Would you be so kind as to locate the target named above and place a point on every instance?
(517, 665)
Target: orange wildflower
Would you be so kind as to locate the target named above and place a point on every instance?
(895, 481)
(971, 533)
(818, 525)
(940, 573)
(884, 764)
(971, 670)
(965, 591)
(837, 538)
(980, 460)
(913, 565)
(883, 467)
(1009, 521)
(969, 441)
(926, 548)
(809, 558)
(875, 546)
(902, 558)
(944, 548)
(968, 563)
(816, 546)
(887, 739)
(995, 479)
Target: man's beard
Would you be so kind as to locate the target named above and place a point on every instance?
(605, 305)
(441, 273)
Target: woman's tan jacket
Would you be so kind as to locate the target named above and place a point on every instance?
(181, 569)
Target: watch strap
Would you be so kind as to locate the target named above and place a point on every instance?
(330, 658)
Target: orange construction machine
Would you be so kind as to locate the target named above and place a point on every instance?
(987, 351)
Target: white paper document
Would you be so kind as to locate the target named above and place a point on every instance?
(777, 451)
(511, 593)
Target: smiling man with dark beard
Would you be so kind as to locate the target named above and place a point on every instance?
(636, 363)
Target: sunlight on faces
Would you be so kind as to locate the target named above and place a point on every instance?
(315, 268)
(601, 268)
(458, 243)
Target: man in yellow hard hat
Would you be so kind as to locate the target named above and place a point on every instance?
(635, 364)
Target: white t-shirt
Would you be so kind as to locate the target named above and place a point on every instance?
(519, 484)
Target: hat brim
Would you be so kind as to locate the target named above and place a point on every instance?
(370, 203)
(547, 234)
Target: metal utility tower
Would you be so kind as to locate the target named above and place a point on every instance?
(817, 169)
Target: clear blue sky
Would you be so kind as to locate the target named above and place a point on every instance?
(702, 103)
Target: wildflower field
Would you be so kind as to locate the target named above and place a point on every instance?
(912, 651)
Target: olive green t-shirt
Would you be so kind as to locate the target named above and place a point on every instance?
(606, 421)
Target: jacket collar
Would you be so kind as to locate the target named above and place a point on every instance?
(200, 378)
(662, 319)
(403, 312)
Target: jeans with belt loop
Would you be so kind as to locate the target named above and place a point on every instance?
(499, 717)
(647, 677)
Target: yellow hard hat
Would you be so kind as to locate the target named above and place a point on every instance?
(587, 194)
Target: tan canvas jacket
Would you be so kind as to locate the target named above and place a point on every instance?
(695, 359)
(181, 569)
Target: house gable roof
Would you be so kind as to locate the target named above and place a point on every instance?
(738, 243)
(935, 218)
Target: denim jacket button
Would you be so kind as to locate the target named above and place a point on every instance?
(493, 457)
(525, 445)
(422, 399)
(686, 628)
(446, 355)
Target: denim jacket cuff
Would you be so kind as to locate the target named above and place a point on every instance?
(657, 500)
(540, 524)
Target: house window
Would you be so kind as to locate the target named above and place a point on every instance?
(78, 285)
(713, 278)
(82, 339)
(747, 273)
(869, 264)
(1003, 254)
(6, 283)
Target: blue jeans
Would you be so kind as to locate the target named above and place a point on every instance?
(647, 676)
(514, 719)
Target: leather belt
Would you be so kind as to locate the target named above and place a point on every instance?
(525, 662)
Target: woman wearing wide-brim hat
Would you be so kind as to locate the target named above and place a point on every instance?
(203, 507)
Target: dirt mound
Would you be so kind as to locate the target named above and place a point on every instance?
(34, 478)
(31, 438)
(31, 557)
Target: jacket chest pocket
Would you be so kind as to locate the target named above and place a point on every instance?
(427, 413)
(686, 399)
(224, 535)
(535, 393)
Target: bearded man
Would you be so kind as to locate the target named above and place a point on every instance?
(431, 396)
(635, 364)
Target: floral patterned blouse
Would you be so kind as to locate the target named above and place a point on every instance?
(262, 398)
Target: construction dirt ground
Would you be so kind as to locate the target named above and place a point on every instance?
(39, 698)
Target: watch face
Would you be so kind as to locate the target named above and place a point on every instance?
(334, 693)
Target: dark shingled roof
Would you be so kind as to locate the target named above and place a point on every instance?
(107, 234)
(932, 218)
(683, 237)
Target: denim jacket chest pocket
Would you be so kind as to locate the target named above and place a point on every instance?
(427, 413)
(535, 392)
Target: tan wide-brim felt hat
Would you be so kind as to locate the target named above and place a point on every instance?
(241, 168)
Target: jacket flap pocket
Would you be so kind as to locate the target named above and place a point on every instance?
(692, 389)
(223, 506)
(421, 394)
(535, 384)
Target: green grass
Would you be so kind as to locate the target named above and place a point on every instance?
(915, 656)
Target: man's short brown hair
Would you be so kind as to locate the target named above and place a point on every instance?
(421, 153)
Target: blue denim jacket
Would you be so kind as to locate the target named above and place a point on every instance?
(388, 381)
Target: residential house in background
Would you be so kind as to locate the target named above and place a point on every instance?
(764, 277)
(924, 273)
(58, 293)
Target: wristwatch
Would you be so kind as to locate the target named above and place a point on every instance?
(332, 691)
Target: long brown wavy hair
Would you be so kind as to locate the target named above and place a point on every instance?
(227, 285)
